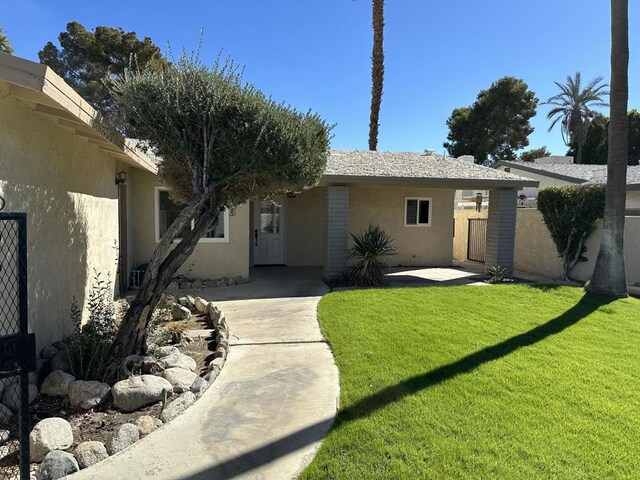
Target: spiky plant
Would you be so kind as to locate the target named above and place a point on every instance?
(369, 247)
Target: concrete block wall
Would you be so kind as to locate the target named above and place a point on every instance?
(501, 229)
(336, 230)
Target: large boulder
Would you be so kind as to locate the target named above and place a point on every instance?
(180, 361)
(136, 392)
(57, 384)
(57, 464)
(147, 424)
(88, 394)
(179, 312)
(166, 350)
(49, 434)
(11, 396)
(180, 379)
(90, 453)
(201, 304)
(177, 406)
(126, 434)
(61, 361)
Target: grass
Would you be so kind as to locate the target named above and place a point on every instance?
(504, 381)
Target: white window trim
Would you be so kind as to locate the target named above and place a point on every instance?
(156, 201)
(406, 200)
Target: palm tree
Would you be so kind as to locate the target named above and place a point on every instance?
(609, 275)
(377, 72)
(573, 107)
(5, 46)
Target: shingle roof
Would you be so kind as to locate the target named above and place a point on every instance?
(579, 173)
(364, 166)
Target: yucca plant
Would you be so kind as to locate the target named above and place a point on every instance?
(369, 247)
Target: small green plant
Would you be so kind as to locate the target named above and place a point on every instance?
(178, 332)
(90, 342)
(369, 247)
(497, 274)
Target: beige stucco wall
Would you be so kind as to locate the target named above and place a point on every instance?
(416, 246)
(460, 238)
(66, 187)
(209, 260)
(305, 228)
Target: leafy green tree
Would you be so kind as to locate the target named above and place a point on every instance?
(572, 107)
(531, 155)
(377, 71)
(86, 60)
(596, 145)
(609, 274)
(221, 143)
(496, 125)
(571, 214)
(5, 45)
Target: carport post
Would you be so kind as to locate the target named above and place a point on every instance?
(336, 239)
(501, 229)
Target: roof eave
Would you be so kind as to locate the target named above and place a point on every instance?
(538, 171)
(454, 183)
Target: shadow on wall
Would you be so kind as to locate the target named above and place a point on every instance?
(56, 255)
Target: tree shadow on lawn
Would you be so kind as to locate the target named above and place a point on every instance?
(248, 461)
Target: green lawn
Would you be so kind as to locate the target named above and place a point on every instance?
(503, 381)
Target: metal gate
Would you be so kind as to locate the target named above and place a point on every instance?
(17, 347)
(477, 239)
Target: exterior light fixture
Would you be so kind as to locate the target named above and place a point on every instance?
(121, 177)
(478, 202)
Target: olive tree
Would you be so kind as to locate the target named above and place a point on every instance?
(220, 142)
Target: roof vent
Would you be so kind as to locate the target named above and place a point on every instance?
(429, 151)
(467, 158)
(554, 160)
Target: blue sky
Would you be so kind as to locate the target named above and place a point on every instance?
(316, 53)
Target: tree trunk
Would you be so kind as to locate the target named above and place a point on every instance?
(579, 153)
(609, 275)
(377, 72)
(132, 334)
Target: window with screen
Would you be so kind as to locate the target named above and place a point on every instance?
(417, 212)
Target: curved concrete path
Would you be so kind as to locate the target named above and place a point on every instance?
(267, 412)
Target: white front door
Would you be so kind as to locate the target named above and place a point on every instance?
(268, 231)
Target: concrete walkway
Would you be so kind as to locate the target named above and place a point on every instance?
(274, 401)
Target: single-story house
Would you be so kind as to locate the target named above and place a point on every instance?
(95, 203)
(558, 171)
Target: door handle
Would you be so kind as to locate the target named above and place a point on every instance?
(255, 234)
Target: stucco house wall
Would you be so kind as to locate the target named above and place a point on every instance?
(416, 246)
(209, 260)
(66, 187)
(305, 228)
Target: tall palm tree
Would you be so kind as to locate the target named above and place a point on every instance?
(377, 72)
(573, 108)
(609, 275)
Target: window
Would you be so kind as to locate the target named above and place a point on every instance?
(167, 211)
(417, 212)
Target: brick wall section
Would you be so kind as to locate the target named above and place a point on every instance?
(501, 229)
(336, 231)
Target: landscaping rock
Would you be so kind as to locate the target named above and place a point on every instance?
(179, 312)
(231, 282)
(166, 351)
(90, 453)
(11, 396)
(49, 434)
(138, 391)
(57, 464)
(5, 415)
(4, 436)
(221, 283)
(220, 352)
(211, 375)
(61, 361)
(214, 313)
(192, 302)
(57, 384)
(199, 386)
(201, 304)
(88, 394)
(196, 284)
(5, 382)
(179, 360)
(33, 378)
(60, 346)
(180, 378)
(140, 365)
(173, 286)
(184, 301)
(177, 406)
(185, 285)
(48, 352)
(147, 424)
(216, 362)
(126, 434)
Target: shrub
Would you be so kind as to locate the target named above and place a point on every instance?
(497, 274)
(89, 344)
(571, 214)
(369, 247)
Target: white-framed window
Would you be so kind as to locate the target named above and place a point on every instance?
(417, 212)
(166, 212)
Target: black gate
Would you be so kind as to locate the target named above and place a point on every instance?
(17, 347)
(477, 239)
